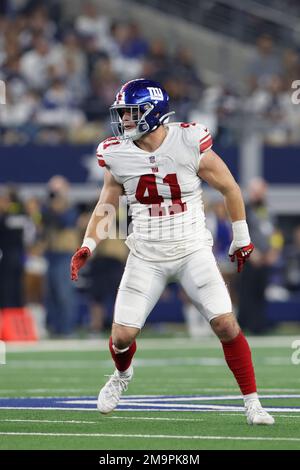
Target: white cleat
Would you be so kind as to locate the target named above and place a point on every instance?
(256, 414)
(110, 394)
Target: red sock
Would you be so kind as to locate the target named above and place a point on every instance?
(122, 360)
(238, 357)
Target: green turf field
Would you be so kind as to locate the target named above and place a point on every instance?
(163, 367)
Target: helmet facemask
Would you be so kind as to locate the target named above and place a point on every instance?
(138, 114)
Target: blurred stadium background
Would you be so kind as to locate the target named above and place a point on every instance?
(231, 65)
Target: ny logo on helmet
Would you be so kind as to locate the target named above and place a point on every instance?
(155, 93)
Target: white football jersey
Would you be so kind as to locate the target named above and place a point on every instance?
(163, 191)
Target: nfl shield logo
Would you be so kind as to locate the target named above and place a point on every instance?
(152, 159)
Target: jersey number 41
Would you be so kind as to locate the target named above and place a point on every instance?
(148, 183)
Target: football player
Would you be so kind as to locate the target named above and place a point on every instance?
(160, 167)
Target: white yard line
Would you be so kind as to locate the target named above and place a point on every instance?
(49, 390)
(152, 436)
(147, 343)
(151, 362)
(54, 421)
(100, 422)
(153, 400)
(91, 389)
(243, 414)
(124, 418)
(210, 409)
(147, 408)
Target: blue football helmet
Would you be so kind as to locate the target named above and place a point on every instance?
(148, 104)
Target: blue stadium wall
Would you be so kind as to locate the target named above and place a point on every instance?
(37, 164)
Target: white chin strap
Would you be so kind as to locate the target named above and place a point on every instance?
(132, 134)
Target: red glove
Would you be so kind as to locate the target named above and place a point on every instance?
(241, 254)
(78, 260)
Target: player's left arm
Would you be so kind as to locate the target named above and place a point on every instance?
(216, 173)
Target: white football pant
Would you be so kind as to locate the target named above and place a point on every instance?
(144, 281)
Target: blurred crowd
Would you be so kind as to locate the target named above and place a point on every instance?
(39, 236)
(61, 76)
(37, 239)
(239, 20)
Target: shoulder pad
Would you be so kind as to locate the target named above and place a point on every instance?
(196, 134)
(104, 149)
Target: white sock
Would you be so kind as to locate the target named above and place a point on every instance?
(119, 351)
(250, 396)
(125, 373)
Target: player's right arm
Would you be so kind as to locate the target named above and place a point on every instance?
(109, 198)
